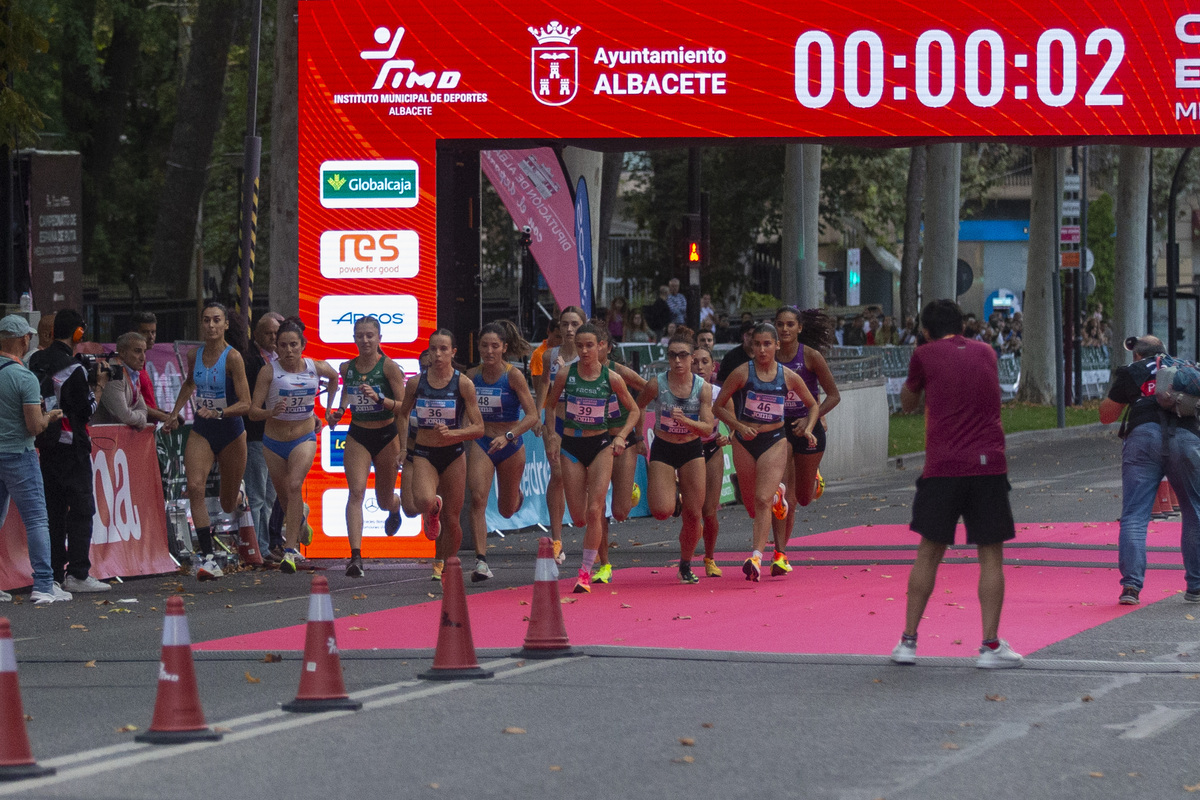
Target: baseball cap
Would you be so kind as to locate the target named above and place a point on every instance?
(14, 326)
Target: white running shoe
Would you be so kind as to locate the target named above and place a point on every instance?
(482, 572)
(55, 595)
(905, 652)
(5, 597)
(207, 569)
(1003, 657)
(88, 584)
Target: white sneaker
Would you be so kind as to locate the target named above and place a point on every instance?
(1003, 657)
(5, 597)
(88, 584)
(905, 652)
(482, 572)
(207, 569)
(55, 595)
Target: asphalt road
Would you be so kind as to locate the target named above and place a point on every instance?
(1110, 712)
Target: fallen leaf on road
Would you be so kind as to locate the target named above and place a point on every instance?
(1095, 774)
(1193, 677)
(127, 729)
(222, 729)
(681, 616)
(431, 594)
(1087, 698)
(1134, 774)
(688, 742)
(626, 605)
(103, 616)
(512, 729)
(996, 698)
(706, 725)
(555, 768)
(434, 786)
(876, 680)
(1193, 788)
(29, 718)
(566, 601)
(357, 628)
(684, 760)
(523, 603)
(227, 605)
(272, 658)
(949, 746)
(91, 663)
(78, 627)
(1188, 616)
(251, 679)
(359, 597)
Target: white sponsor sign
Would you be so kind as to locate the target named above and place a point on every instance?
(370, 254)
(333, 516)
(397, 315)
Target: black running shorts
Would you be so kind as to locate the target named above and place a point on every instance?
(981, 501)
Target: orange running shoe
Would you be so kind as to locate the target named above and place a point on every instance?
(780, 506)
(820, 490)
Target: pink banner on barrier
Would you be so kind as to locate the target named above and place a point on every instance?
(129, 530)
(537, 195)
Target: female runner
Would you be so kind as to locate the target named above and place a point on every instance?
(372, 386)
(447, 416)
(503, 396)
(801, 334)
(624, 494)
(587, 446)
(407, 504)
(285, 395)
(714, 469)
(217, 377)
(758, 391)
(684, 414)
(553, 360)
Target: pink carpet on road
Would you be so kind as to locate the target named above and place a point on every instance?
(855, 609)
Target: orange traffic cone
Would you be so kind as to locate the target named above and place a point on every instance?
(248, 540)
(321, 685)
(178, 717)
(1162, 501)
(454, 658)
(16, 757)
(1174, 498)
(547, 634)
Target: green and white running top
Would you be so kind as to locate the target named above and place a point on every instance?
(667, 403)
(362, 408)
(586, 401)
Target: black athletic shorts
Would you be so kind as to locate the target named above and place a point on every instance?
(981, 501)
(799, 443)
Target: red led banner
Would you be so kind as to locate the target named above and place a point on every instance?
(381, 81)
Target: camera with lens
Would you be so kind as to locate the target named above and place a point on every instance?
(94, 366)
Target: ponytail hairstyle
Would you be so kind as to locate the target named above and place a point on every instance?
(766, 327)
(817, 330)
(449, 334)
(293, 325)
(515, 344)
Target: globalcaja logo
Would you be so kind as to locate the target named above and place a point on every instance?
(369, 184)
(554, 66)
(397, 315)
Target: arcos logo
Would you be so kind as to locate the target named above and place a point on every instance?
(370, 254)
(397, 315)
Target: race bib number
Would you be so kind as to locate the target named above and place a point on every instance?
(359, 402)
(298, 401)
(490, 400)
(668, 424)
(210, 400)
(764, 407)
(614, 407)
(585, 410)
(433, 412)
(794, 406)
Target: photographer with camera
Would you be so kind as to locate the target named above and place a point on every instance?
(66, 451)
(122, 403)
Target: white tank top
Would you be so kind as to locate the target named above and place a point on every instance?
(298, 390)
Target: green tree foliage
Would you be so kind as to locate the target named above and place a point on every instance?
(1102, 227)
(21, 40)
(862, 190)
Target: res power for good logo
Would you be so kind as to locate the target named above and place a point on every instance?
(370, 254)
(554, 66)
(369, 184)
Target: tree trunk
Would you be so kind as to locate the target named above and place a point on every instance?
(939, 270)
(284, 290)
(610, 184)
(197, 121)
(1038, 367)
(810, 288)
(792, 235)
(910, 261)
(1133, 190)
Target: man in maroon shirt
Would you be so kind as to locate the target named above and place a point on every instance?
(965, 474)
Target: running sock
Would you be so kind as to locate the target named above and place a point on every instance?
(482, 558)
(991, 644)
(204, 539)
(910, 639)
(356, 552)
(756, 554)
(589, 559)
(685, 564)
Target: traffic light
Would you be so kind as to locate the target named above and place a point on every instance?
(694, 239)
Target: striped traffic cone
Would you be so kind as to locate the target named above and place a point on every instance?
(16, 757)
(178, 717)
(547, 633)
(321, 684)
(454, 659)
(1162, 500)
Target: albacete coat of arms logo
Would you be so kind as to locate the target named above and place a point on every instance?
(554, 65)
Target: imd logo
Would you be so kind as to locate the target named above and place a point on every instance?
(370, 254)
(369, 184)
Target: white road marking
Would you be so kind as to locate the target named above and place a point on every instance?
(1152, 722)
